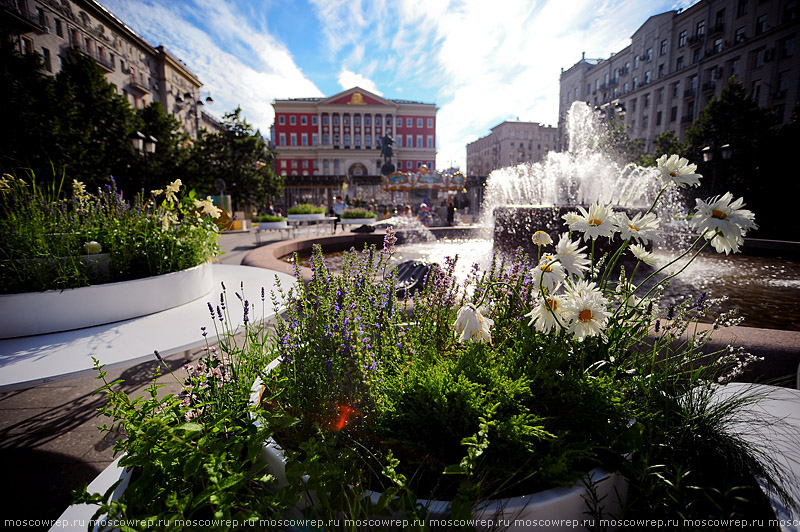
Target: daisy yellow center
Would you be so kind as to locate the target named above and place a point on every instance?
(595, 222)
(633, 227)
(716, 213)
(673, 174)
(585, 315)
(546, 268)
(552, 303)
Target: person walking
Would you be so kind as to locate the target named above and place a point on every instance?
(338, 209)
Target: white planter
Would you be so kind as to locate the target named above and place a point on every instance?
(273, 225)
(358, 221)
(305, 217)
(53, 311)
(562, 506)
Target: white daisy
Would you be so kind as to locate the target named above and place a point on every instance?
(548, 274)
(570, 218)
(724, 222)
(472, 326)
(598, 221)
(642, 227)
(570, 256)
(676, 169)
(643, 255)
(586, 314)
(546, 314)
(540, 238)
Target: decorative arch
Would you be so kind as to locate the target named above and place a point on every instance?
(357, 169)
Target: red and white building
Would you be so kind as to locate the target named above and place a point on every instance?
(341, 134)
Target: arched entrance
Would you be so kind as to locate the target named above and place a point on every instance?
(357, 169)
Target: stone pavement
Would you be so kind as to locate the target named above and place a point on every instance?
(49, 441)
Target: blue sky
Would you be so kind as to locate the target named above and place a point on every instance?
(480, 61)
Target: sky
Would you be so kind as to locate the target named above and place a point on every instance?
(480, 61)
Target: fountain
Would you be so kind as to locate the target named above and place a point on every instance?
(529, 197)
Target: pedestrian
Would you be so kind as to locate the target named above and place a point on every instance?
(338, 209)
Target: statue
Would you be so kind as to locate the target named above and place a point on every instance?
(387, 153)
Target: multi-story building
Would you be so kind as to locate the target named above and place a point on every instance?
(139, 71)
(510, 143)
(677, 61)
(341, 134)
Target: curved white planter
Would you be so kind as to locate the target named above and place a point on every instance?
(305, 217)
(53, 311)
(358, 221)
(273, 225)
(562, 506)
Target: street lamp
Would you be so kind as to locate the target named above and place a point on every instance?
(188, 99)
(143, 143)
(708, 157)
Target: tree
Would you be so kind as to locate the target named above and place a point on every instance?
(240, 157)
(735, 119)
(666, 143)
(618, 143)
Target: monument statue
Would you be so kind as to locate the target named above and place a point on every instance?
(387, 152)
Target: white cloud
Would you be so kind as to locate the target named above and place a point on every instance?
(348, 79)
(239, 64)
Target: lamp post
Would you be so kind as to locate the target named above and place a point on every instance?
(708, 157)
(194, 104)
(143, 143)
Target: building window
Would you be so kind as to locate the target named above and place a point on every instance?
(357, 140)
(408, 165)
(660, 71)
(347, 120)
(419, 165)
(346, 140)
(335, 120)
(673, 114)
(304, 120)
(356, 120)
(283, 163)
(696, 55)
(305, 163)
(59, 30)
(646, 101)
(304, 139)
(47, 61)
(658, 118)
(429, 139)
(292, 120)
(636, 62)
(682, 39)
(786, 47)
(336, 140)
(281, 120)
(367, 121)
(740, 35)
(377, 141)
(294, 163)
(408, 122)
(755, 90)
(389, 120)
(314, 120)
(399, 141)
(676, 89)
(27, 45)
(679, 63)
(761, 24)
(430, 120)
(664, 47)
(649, 54)
(700, 30)
(314, 139)
(625, 88)
(293, 139)
(419, 141)
(336, 166)
(735, 67)
(325, 166)
(647, 77)
(660, 95)
(325, 139)
(419, 122)
(325, 120)
(644, 122)
(720, 20)
(633, 106)
(760, 54)
(635, 82)
(741, 8)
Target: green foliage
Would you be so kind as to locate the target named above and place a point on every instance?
(45, 229)
(358, 213)
(306, 208)
(269, 218)
(239, 156)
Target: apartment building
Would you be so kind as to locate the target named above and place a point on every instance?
(679, 60)
(139, 71)
(510, 143)
(341, 134)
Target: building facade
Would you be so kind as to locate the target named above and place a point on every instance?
(341, 134)
(679, 60)
(510, 143)
(139, 71)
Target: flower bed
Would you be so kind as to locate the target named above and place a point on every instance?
(520, 380)
(305, 212)
(45, 234)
